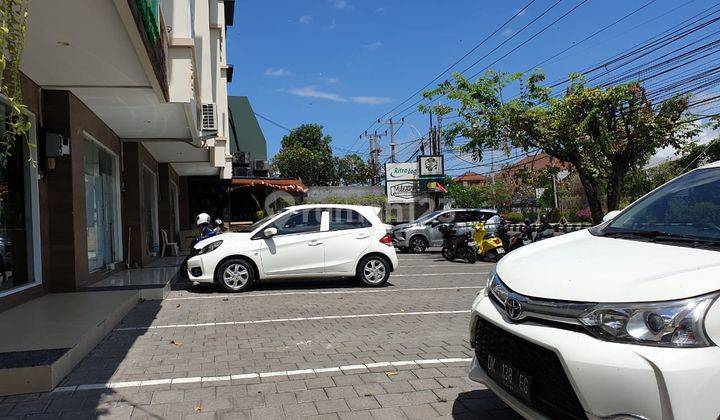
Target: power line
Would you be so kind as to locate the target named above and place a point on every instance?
(519, 12)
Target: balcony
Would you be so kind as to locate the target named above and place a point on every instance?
(151, 26)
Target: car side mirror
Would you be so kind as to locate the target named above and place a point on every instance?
(269, 232)
(611, 215)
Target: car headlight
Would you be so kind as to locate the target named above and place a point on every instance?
(210, 247)
(679, 323)
(489, 282)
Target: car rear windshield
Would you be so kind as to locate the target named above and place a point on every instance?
(688, 206)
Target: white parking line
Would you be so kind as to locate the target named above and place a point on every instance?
(265, 321)
(328, 292)
(226, 378)
(439, 274)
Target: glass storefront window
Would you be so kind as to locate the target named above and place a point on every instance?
(100, 205)
(15, 215)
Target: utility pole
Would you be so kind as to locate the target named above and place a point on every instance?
(431, 136)
(374, 138)
(438, 148)
(393, 132)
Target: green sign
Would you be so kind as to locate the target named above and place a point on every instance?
(150, 14)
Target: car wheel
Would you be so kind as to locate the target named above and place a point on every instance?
(235, 275)
(373, 271)
(418, 245)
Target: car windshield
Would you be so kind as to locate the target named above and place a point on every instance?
(685, 209)
(426, 217)
(252, 227)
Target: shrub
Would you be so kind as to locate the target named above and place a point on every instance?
(584, 214)
(513, 217)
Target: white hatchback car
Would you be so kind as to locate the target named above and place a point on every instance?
(300, 241)
(621, 321)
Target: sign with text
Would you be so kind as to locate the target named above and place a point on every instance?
(432, 165)
(401, 171)
(403, 191)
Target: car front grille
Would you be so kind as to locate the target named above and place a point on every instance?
(551, 391)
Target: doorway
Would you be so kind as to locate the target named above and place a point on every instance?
(101, 205)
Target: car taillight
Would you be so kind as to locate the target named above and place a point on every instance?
(387, 240)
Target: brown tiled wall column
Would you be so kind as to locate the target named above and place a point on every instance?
(136, 157)
(65, 114)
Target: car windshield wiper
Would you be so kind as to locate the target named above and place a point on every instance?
(660, 236)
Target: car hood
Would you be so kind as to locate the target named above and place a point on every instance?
(234, 236)
(582, 267)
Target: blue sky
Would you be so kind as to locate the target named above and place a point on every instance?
(344, 63)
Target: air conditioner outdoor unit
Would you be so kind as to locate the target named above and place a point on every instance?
(241, 158)
(261, 165)
(209, 117)
(244, 172)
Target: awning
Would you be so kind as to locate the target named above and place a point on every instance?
(292, 185)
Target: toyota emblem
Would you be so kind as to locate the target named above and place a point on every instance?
(514, 309)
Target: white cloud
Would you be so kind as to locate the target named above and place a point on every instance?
(521, 12)
(380, 10)
(371, 100)
(332, 80)
(333, 24)
(373, 45)
(279, 72)
(312, 91)
(508, 31)
(305, 19)
(342, 4)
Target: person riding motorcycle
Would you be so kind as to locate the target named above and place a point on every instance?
(545, 230)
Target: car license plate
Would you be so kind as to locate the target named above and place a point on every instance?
(501, 250)
(509, 377)
(472, 243)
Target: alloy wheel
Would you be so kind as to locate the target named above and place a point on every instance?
(374, 271)
(235, 276)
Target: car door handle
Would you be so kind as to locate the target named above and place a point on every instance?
(363, 236)
(315, 243)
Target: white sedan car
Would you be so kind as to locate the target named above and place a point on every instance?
(300, 241)
(621, 321)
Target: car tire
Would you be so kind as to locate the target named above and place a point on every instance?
(418, 244)
(373, 271)
(235, 275)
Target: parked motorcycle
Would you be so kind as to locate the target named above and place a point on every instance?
(544, 231)
(458, 244)
(511, 241)
(490, 247)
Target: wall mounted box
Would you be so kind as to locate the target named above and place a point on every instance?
(56, 145)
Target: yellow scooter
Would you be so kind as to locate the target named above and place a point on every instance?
(490, 247)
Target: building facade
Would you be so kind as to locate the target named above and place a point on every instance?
(127, 99)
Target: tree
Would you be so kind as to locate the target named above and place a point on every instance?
(353, 170)
(603, 132)
(13, 22)
(306, 154)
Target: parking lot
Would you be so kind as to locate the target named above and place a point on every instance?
(290, 349)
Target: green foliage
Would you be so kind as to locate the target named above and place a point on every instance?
(13, 21)
(497, 194)
(514, 217)
(306, 154)
(603, 132)
(375, 200)
(352, 170)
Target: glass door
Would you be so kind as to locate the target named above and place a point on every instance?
(100, 205)
(150, 216)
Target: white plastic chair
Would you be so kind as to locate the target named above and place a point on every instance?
(173, 245)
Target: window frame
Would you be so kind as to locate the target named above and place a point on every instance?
(32, 207)
(273, 222)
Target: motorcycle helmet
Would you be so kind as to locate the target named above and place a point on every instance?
(202, 219)
(543, 218)
(527, 221)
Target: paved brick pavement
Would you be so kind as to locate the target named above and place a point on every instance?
(287, 349)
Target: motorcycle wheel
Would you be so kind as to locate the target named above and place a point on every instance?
(447, 254)
(492, 256)
(471, 256)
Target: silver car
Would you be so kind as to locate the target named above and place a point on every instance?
(417, 236)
